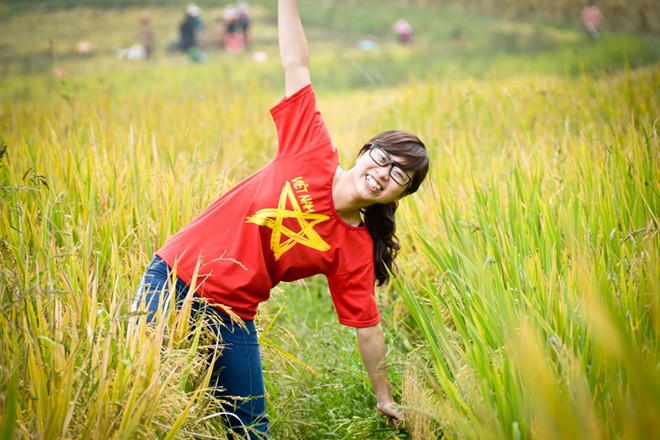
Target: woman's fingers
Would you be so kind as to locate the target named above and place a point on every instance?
(391, 411)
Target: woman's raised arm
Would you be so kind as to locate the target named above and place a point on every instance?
(293, 46)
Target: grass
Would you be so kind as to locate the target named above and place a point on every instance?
(544, 272)
(527, 305)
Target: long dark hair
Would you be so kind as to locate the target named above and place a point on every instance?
(379, 218)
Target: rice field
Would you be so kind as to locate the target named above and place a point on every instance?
(527, 302)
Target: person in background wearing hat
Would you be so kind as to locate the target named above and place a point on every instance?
(189, 32)
(243, 24)
(230, 16)
(403, 31)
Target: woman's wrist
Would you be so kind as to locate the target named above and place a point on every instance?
(384, 395)
(384, 403)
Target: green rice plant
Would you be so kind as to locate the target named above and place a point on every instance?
(535, 305)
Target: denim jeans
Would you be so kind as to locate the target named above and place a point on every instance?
(237, 377)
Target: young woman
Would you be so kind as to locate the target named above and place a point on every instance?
(300, 215)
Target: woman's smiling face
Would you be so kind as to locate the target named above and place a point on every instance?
(374, 183)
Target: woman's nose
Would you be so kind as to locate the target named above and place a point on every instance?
(384, 172)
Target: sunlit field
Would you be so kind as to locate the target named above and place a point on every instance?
(527, 301)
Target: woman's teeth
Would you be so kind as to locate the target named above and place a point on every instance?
(373, 183)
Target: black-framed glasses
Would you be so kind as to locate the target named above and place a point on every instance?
(383, 159)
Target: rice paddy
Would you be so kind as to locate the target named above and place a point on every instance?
(526, 304)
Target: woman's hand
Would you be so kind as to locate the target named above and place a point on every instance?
(389, 409)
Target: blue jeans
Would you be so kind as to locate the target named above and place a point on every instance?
(237, 378)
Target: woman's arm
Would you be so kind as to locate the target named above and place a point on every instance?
(372, 350)
(293, 46)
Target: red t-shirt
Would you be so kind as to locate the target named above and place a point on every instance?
(280, 225)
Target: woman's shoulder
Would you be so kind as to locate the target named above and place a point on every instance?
(302, 96)
(300, 126)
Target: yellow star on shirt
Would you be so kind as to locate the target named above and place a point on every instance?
(272, 217)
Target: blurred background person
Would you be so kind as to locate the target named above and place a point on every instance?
(591, 19)
(243, 24)
(147, 36)
(403, 31)
(189, 31)
(231, 14)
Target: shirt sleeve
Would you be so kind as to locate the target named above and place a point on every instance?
(300, 126)
(354, 297)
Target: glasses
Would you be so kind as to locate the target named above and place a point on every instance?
(383, 159)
